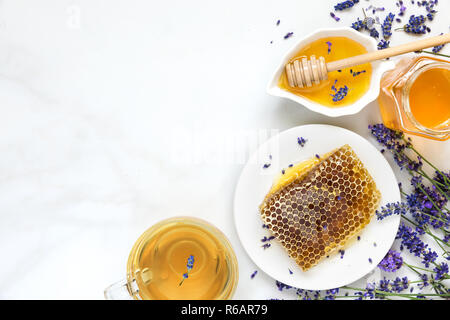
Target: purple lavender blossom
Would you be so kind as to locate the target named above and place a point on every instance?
(281, 286)
(358, 25)
(391, 262)
(396, 208)
(387, 25)
(335, 17)
(402, 8)
(410, 240)
(288, 35)
(301, 141)
(340, 93)
(329, 44)
(441, 271)
(345, 5)
(383, 44)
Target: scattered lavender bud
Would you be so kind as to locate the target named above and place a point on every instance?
(288, 35)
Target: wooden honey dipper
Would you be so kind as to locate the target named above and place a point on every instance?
(303, 72)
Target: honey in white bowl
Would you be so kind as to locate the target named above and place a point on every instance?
(354, 81)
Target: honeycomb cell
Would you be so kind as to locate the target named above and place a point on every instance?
(322, 208)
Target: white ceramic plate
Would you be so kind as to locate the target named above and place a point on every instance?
(255, 181)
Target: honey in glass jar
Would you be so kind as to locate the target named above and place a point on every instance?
(415, 97)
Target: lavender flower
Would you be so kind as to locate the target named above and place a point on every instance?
(358, 25)
(402, 8)
(383, 44)
(304, 294)
(374, 33)
(345, 5)
(424, 283)
(411, 241)
(331, 294)
(426, 206)
(430, 11)
(301, 141)
(443, 179)
(416, 180)
(441, 271)
(266, 239)
(253, 274)
(189, 266)
(421, 29)
(334, 16)
(375, 9)
(340, 93)
(393, 141)
(391, 262)
(329, 46)
(281, 286)
(438, 48)
(388, 137)
(288, 35)
(357, 73)
(375, 290)
(416, 20)
(397, 208)
(387, 25)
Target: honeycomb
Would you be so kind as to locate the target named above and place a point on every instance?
(322, 207)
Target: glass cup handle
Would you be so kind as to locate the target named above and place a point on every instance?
(120, 290)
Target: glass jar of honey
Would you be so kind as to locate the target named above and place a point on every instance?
(415, 97)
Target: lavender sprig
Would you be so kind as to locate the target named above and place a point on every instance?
(189, 266)
(387, 26)
(345, 5)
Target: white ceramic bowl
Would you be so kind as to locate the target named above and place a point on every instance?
(378, 68)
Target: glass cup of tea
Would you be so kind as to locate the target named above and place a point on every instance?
(181, 258)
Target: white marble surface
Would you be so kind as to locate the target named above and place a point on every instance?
(116, 114)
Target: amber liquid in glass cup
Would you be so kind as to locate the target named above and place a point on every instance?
(415, 97)
(158, 261)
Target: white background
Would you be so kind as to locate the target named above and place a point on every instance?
(117, 114)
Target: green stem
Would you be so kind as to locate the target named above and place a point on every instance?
(435, 53)
(406, 295)
(412, 268)
(420, 268)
